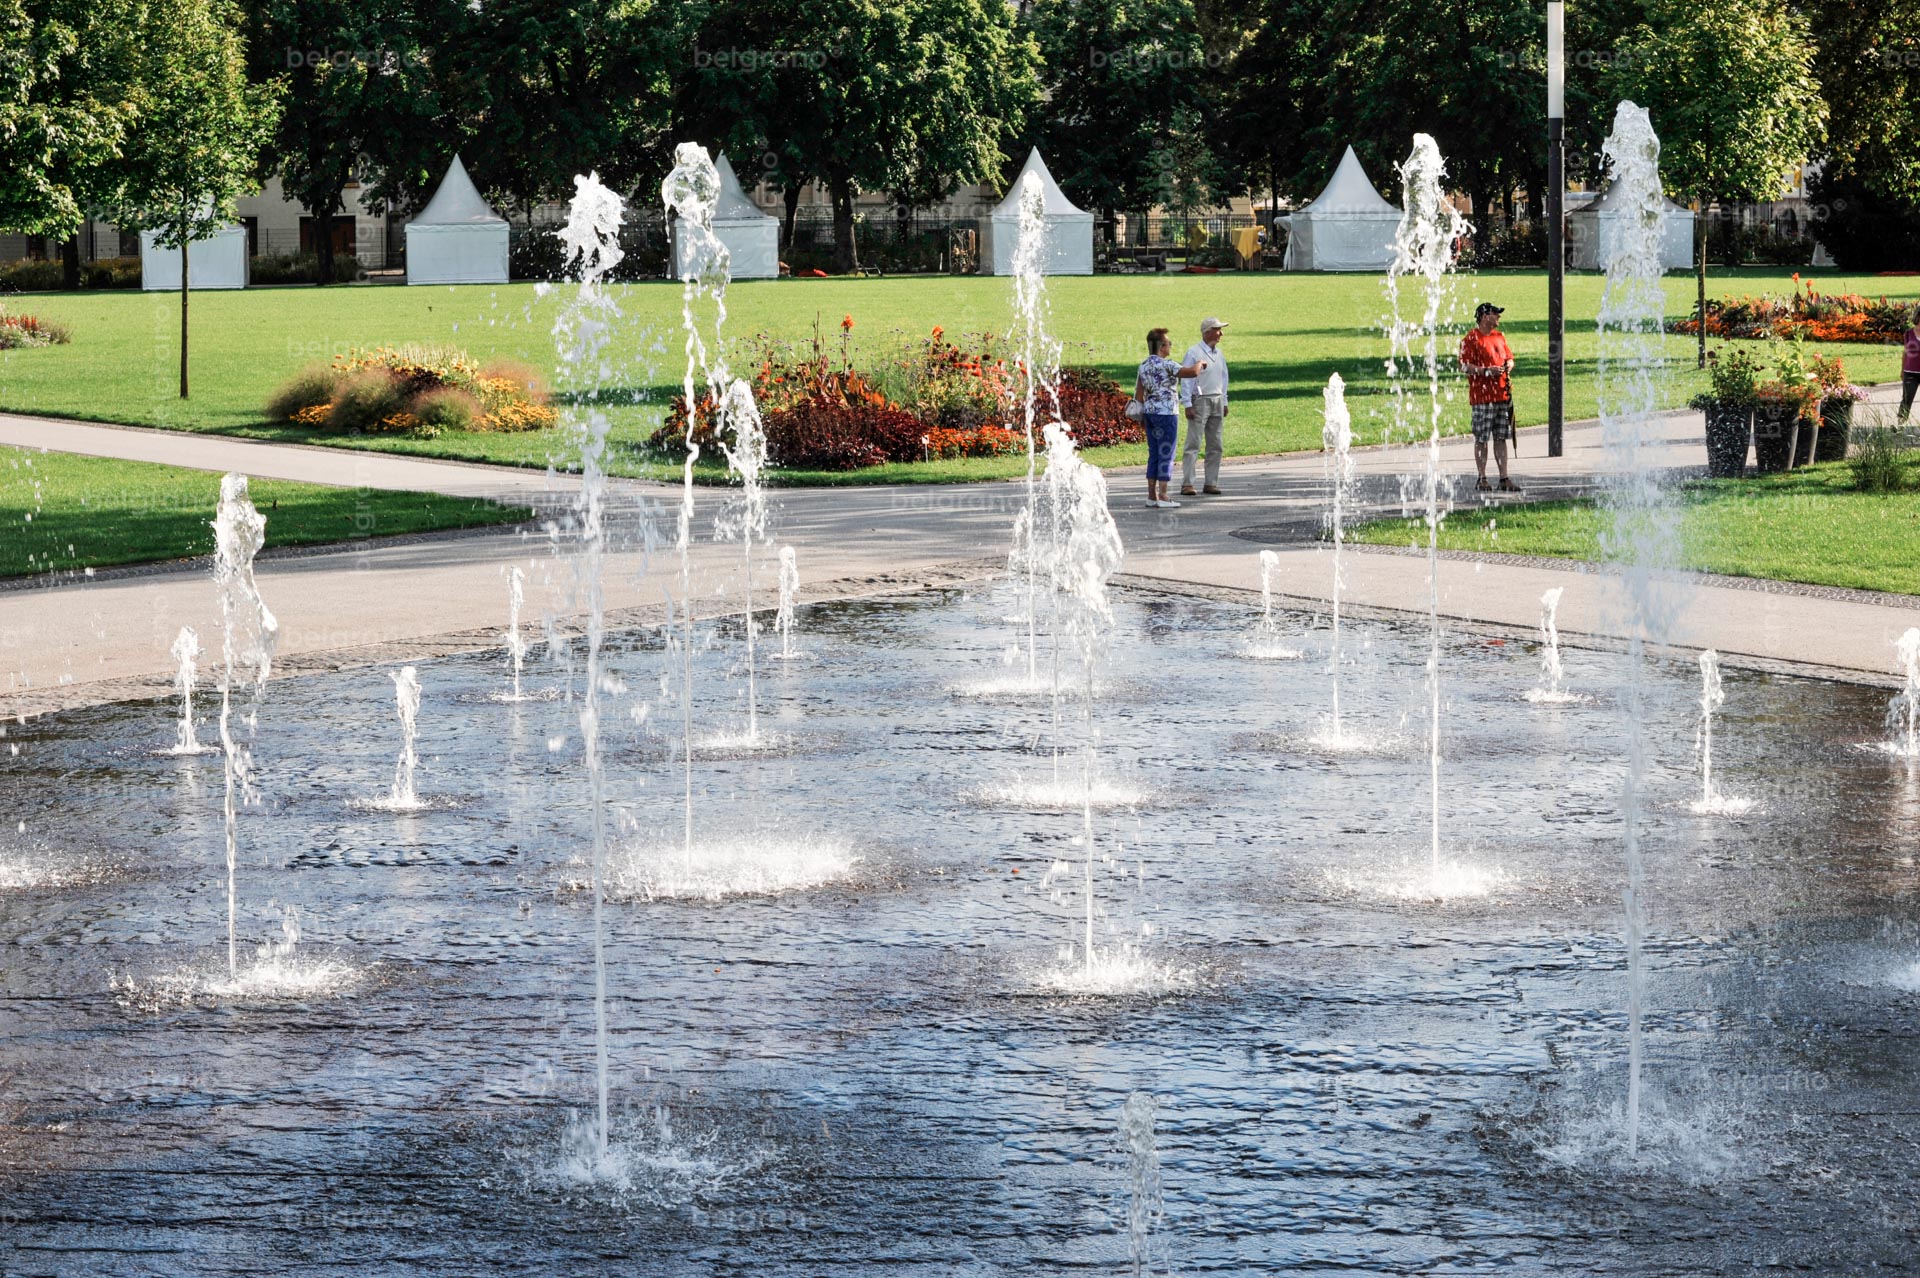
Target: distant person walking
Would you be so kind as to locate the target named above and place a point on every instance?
(1157, 387)
(1910, 368)
(1488, 359)
(1205, 399)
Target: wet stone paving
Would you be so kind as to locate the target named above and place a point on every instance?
(847, 1034)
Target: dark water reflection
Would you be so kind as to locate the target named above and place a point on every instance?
(863, 1078)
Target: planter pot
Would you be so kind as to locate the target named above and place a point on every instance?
(1776, 436)
(1836, 424)
(1729, 432)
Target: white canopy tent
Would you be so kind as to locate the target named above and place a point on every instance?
(752, 237)
(1349, 227)
(457, 239)
(1069, 229)
(1591, 232)
(218, 261)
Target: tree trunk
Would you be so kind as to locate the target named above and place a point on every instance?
(1700, 259)
(792, 197)
(184, 290)
(323, 248)
(70, 262)
(846, 254)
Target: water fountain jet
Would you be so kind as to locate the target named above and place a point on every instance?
(248, 631)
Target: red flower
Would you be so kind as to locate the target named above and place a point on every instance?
(846, 324)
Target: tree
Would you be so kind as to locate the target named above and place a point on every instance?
(869, 95)
(357, 83)
(1124, 83)
(66, 94)
(200, 129)
(1867, 188)
(1732, 94)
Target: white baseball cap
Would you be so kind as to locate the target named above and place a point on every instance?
(1212, 321)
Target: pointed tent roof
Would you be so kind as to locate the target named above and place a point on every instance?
(734, 204)
(457, 202)
(1057, 203)
(1349, 192)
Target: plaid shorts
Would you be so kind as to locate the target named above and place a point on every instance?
(1492, 421)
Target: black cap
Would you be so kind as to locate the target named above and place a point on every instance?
(1488, 308)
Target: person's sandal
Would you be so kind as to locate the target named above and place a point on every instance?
(1483, 486)
(1508, 486)
(1188, 492)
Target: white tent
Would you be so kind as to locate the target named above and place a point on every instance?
(752, 237)
(1591, 231)
(457, 239)
(219, 261)
(1069, 229)
(1348, 228)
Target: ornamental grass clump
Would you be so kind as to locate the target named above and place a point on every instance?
(1881, 462)
(418, 390)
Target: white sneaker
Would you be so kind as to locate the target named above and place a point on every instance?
(1168, 505)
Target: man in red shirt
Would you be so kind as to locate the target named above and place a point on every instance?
(1488, 359)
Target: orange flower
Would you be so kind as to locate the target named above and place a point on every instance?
(846, 324)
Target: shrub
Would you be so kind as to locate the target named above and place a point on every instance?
(311, 386)
(1879, 461)
(29, 275)
(302, 268)
(369, 401)
(826, 434)
(445, 408)
(1094, 407)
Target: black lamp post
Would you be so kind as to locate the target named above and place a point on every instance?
(1556, 223)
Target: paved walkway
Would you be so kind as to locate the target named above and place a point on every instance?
(54, 641)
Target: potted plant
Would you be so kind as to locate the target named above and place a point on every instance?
(1789, 398)
(1733, 385)
(1837, 398)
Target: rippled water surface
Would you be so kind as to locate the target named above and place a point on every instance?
(875, 1074)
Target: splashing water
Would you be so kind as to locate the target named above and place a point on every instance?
(1090, 553)
(1904, 709)
(516, 646)
(1336, 437)
(404, 797)
(1146, 1204)
(1711, 801)
(1423, 247)
(1039, 362)
(1266, 645)
(690, 194)
(789, 594)
(744, 442)
(186, 652)
(247, 634)
(1643, 528)
(590, 242)
(1553, 674)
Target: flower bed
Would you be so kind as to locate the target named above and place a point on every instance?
(413, 390)
(931, 400)
(20, 331)
(1822, 317)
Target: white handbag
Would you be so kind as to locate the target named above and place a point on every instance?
(1135, 410)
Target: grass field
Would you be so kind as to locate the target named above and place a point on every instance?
(1288, 334)
(64, 513)
(1807, 525)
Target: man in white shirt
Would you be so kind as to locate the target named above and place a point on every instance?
(1205, 399)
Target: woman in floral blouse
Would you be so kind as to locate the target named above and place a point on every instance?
(1158, 389)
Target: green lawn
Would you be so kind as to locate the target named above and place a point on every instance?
(1289, 332)
(63, 513)
(1807, 525)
